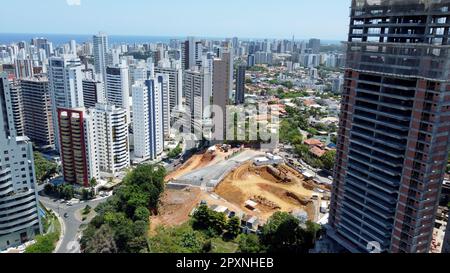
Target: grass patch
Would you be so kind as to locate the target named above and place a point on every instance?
(221, 246)
(46, 243)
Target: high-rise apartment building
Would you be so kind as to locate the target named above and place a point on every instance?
(117, 87)
(184, 52)
(229, 60)
(111, 139)
(19, 218)
(78, 150)
(222, 86)
(93, 92)
(23, 68)
(191, 53)
(100, 49)
(175, 75)
(162, 85)
(66, 86)
(240, 84)
(37, 113)
(314, 45)
(148, 126)
(394, 126)
(197, 88)
(17, 105)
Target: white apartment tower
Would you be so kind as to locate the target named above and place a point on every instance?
(66, 86)
(148, 125)
(19, 218)
(111, 139)
(100, 48)
(175, 75)
(117, 87)
(162, 82)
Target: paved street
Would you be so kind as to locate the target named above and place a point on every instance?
(71, 227)
(210, 176)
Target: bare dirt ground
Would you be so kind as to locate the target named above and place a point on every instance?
(175, 207)
(257, 184)
(198, 161)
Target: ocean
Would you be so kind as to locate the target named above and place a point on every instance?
(60, 39)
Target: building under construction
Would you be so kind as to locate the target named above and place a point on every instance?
(394, 126)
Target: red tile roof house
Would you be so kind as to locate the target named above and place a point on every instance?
(314, 142)
(316, 147)
(317, 151)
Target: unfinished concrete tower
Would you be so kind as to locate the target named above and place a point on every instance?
(394, 126)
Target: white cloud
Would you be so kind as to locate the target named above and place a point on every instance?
(73, 2)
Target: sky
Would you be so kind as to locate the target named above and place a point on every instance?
(324, 19)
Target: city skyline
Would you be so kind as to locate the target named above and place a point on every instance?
(294, 18)
(180, 143)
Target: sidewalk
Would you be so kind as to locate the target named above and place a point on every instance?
(63, 229)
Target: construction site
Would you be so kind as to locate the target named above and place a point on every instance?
(201, 160)
(235, 179)
(263, 190)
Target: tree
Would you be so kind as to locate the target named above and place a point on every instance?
(249, 243)
(85, 194)
(44, 244)
(49, 189)
(93, 182)
(328, 159)
(87, 210)
(280, 91)
(233, 227)
(66, 191)
(150, 180)
(209, 220)
(296, 140)
(138, 245)
(101, 241)
(44, 168)
(174, 153)
(126, 214)
(288, 84)
(141, 214)
(283, 234)
(201, 218)
(181, 239)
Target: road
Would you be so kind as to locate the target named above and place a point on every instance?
(210, 176)
(70, 242)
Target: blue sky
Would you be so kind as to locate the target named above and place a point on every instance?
(325, 19)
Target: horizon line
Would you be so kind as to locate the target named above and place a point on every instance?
(173, 36)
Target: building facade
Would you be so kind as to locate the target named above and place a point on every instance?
(38, 121)
(93, 92)
(78, 149)
(117, 88)
(111, 139)
(394, 126)
(19, 218)
(100, 50)
(17, 106)
(197, 88)
(66, 87)
(240, 85)
(175, 75)
(148, 125)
